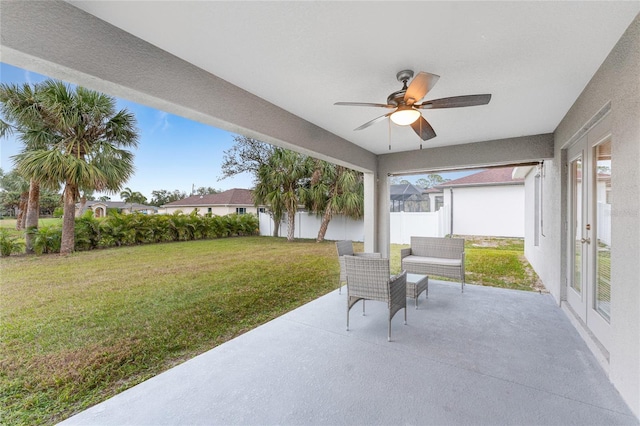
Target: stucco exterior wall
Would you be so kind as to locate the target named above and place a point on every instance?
(496, 211)
(202, 210)
(616, 85)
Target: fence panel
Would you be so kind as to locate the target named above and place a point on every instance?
(403, 225)
(604, 223)
(307, 226)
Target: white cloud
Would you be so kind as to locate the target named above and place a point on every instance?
(162, 122)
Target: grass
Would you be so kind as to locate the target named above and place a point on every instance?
(79, 329)
(496, 262)
(10, 225)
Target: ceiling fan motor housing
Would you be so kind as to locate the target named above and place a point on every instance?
(397, 98)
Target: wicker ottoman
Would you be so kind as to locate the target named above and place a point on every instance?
(416, 284)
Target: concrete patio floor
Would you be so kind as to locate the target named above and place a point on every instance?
(488, 356)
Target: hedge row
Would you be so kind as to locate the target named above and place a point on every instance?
(131, 229)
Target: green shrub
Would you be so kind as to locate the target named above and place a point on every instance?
(87, 231)
(9, 244)
(48, 239)
(58, 212)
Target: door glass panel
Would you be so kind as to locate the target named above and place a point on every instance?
(576, 208)
(603, 227)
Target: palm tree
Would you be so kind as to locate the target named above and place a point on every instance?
(132, 197)
(20, 108)
(86, 140)
(14, 183)
(279, 185)
(334, 190)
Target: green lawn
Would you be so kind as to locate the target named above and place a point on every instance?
(10, 225)
(78, 329)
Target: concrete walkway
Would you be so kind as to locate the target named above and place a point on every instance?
(488, 357)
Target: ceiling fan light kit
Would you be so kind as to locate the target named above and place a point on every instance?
(407, 111)
(405, 115)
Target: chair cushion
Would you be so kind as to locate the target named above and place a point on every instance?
(432, 260)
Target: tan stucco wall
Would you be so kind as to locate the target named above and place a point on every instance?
(215, 210)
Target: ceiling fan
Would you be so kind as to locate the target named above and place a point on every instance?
(406, 109)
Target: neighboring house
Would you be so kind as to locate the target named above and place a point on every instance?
(100, 208)
(487, 203)
(435, 197)
(231, 201)
(406, 197)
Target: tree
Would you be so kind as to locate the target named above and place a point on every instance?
(104, 198)
(15, 196)
(132, 197)
(396, 180)
(431, 180)
(22, 114)
(85, 195)
(280, 180)
(246, 156)
(87, 137)
(206, 190)
(334, 190)
(162, 196)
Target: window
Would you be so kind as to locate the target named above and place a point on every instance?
(241, 210)
(439, 202)
(261, 210)
(208, 209)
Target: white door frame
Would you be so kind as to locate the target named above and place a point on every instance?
(583, 302)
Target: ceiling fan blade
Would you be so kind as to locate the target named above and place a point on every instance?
(375, 120)
(364, 104)
(419, 87)
(423, 129)
(456, 102)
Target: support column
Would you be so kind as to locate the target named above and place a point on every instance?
(384, 216)
(370, 213)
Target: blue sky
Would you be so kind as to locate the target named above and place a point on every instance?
(173, 152)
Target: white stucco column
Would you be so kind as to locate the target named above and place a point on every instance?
(382, 211)
(370, 213)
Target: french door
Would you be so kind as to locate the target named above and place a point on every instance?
(589, 229)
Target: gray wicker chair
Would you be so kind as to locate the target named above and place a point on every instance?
(369, 279)
(345, 248)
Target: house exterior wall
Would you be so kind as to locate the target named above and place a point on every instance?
(215, 210)
(496, 211)
(616, 85)
(500, 152)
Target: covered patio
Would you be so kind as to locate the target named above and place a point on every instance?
(488, 356)
(564, 83)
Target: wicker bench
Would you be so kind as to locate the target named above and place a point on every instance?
(442, 257)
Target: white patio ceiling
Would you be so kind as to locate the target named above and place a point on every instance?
(535, 58)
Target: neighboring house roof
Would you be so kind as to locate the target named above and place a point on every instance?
(404, 191)
(434, 190)
(490, 177)
(231, 197)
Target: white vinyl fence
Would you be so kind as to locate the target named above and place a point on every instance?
(604, 223)
(307, 226)
(403, 226)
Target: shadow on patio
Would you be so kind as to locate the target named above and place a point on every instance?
(488, 356)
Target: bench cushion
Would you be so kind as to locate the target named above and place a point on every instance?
(432, 260)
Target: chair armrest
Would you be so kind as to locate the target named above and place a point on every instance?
(396, 276)
(372, 255)
(404, 253)
(398, 280)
